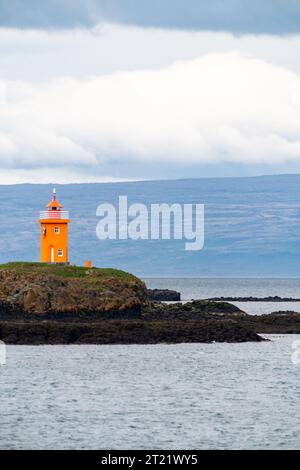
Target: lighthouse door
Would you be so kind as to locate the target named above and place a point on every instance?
(52, 254)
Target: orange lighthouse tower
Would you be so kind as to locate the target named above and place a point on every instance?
(54, 233)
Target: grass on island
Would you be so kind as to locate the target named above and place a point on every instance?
(66, 271)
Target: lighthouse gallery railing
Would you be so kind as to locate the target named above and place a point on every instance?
(54, 215)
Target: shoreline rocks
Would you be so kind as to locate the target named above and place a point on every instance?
(254, 299)
(196, 309)
(164, 295)
(46, 304)
(124, 332)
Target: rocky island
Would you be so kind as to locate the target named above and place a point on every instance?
(61, 304)
(165, 295)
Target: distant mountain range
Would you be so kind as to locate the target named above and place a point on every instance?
(252, 226)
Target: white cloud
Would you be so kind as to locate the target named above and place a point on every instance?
(36, 55)
(214, 109)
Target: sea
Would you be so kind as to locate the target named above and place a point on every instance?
(183, 396)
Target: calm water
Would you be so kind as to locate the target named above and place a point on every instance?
(192, 396)
(201, 288)
(164, 396)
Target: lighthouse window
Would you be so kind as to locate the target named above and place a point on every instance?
(60, 252)
(57, 230)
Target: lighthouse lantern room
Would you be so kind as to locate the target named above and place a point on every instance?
(54, 233)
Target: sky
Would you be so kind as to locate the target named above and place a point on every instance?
(116, 90)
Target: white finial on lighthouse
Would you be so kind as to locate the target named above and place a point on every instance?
(54, 193)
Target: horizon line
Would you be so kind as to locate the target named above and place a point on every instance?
(154, 180)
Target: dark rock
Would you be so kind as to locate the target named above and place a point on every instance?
(163, 295)
(274, 298)
(273, 323)
(197, 309)
(285, 313)
(124, 332)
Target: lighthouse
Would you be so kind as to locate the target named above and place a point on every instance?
(54, 233)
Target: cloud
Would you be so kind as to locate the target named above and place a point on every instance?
(36, 55)
(215, 109)
(238, 16)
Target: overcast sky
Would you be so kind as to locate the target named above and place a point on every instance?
(108, 90)
(238, 16)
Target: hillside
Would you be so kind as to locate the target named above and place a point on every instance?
(34, 288)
